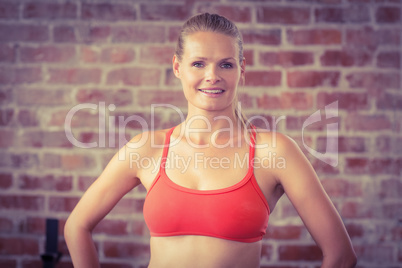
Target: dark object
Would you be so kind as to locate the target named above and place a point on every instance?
(51, 256)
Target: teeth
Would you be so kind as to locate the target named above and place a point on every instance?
(212, 91)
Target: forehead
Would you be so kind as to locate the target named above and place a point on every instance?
(210, 45)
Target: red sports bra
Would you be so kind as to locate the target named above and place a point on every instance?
(239, 212)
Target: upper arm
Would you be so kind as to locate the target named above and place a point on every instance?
(118, 178)
(307, 195)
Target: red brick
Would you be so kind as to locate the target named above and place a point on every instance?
(82, 118)
(391, 210)
(8, 263)
(356, 165)
(173, 33)
(6, 117)
(138, 34)
(125, 250)
(6, 138)
(286, 58)
(389, 60)
(374, 80)
(134, 76)
(157, 54)
(351, 14)
(232, 12)
(164, 12)
(99, 34)
(266, 252)
(108, 12)
(388, 15)
(283, 15)
(22, 202)
(346, 58)
(374, 253)
(248, 54)
(385, 165)
(390, 188)
(284, 232)
(6, 96)
(45, 139)
(286, 100)
(49, 11)
(45, 182)
(298, 79)
(171, 97)
(296, 123)
(64, 34)
(28, 118)
(315, 37)
(18, 160)
(355, 230)
(42, 97)
(50, 54)
(383, 144)
(20, 75)
(117, 55)
(75, 76)
(118, 97)
(347, 101)
(299, 253)
(6, 180)
(7, 53)
(263, 78)
(62, 204)
(19, 246)
(137, 227)
(341, 188)
(345, 144)
(77, 162)
(322, 168)
(112, 227)
(372, 39)
(9, 10)
(23, 33)
(367, 122)
(262, 36)
(90, 54)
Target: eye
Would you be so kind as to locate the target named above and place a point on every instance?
(226, 65)
(197, 64)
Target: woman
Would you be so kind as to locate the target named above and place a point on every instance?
(213, 211)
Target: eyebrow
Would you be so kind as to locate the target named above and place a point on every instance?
(224, 59)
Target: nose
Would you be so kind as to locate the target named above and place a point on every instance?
(212, 75)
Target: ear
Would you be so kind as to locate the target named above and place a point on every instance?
(176, 66)
(243, 69)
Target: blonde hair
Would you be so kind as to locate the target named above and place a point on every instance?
(206, 22)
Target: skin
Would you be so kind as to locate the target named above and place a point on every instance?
(210, 60)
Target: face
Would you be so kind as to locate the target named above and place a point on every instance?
(209, 71)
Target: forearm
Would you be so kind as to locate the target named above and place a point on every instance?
(341, 261)
(81, 247)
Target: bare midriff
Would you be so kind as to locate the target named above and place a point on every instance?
(202, 251)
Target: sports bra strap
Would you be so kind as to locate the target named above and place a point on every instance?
(166, 147)
(252, 147)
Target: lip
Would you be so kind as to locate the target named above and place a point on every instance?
(213, 95)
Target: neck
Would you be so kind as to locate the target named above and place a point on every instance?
(203, 127)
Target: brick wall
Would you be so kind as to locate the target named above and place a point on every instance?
(113, 58)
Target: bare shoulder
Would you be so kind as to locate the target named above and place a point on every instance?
(147, 143)
(275, 142)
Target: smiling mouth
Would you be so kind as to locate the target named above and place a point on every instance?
(212, 91)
